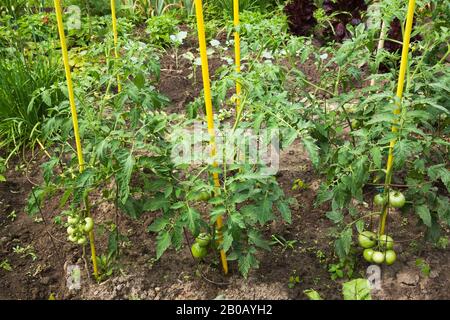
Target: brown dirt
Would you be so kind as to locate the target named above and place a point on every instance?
(177, 82)
(177, 276)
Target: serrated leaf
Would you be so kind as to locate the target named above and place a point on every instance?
(343, 244)
(375, 152)
(246, 262)
(163, 242)
(312, 294)
(265, 214)
(255, 238)
(440, 172)
(313, 150)
(227, 241)
(160, 202)
(424, 214)
(285, 211)
(382, 117)
(237, 219)
(289, 136)
(192, 219)
(357, 289)
(158, 225)
(335, 216)
(124, 175)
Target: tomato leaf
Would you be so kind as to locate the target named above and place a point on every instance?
(356, 289)
(162, 244)
(424, 214)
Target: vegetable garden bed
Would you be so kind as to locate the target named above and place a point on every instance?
(300, 232)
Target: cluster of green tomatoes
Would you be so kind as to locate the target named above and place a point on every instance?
(384, 245)
(78, 228)
(396, 199)
(200, 247)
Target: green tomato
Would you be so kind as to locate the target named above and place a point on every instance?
(396, 199)
(367, 254)
(203, 196)
(367, 239)
(391, 256)
(198, 251)
(379, 200)
(82, 240)
(72, 220)
(378, 257)
(89, 225)
(386, 242)
(70, 230)
(356, 124)
(203, 239)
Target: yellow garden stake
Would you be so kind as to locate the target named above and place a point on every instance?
(400, 86)
(73, 110)
(237, 51)
(116, 41)
(209, 112)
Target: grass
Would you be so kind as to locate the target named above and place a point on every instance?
(28, 89)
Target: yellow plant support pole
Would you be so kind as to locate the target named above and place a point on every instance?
(116, 41)
(400, 86)
(237, 52)
(73, 110)
(209, 112)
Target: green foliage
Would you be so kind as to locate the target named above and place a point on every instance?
(356, 289)
(29, 89)
(159, 29)
(312, 294)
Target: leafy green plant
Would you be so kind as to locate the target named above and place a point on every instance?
(424, 267)
(5, 265)
(356, 289)
(294, 279)
(25, 251)
(29, 88)
(285, 244)
(159, 28)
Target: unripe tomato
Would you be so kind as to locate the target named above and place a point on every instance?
(82, 240)
(203, 196)
(379, 200)
(70, 230)
(367, 254)
(356, 124)
(72, 220)
(72, 238)
(386, 242)
(367, 239)
(391, 256)
(396, 199)
(198, 251)
(203, 239)
(378, 257)
(89, 225)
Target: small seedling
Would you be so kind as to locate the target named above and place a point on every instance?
(294, 279)
(424, 267)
